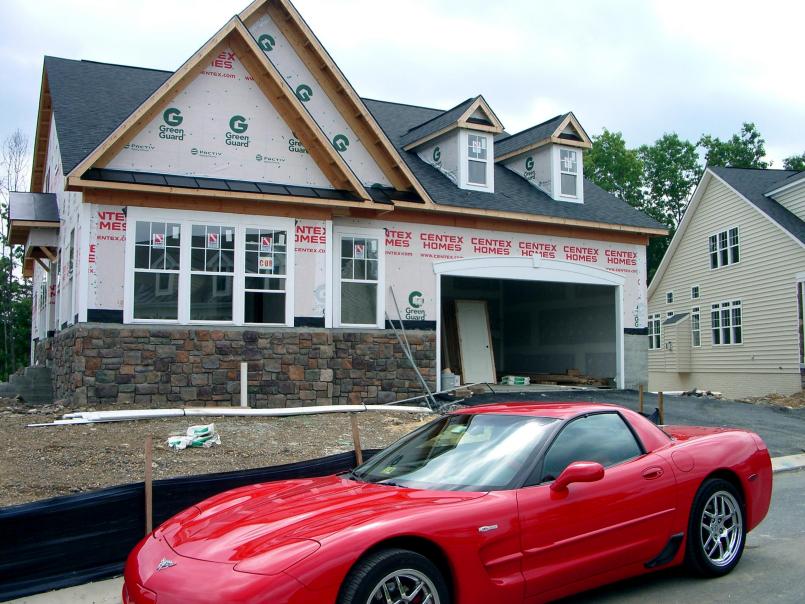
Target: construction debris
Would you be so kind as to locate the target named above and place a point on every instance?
(515, 380)
(196, 436)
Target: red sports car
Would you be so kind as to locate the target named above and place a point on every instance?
(502, 503)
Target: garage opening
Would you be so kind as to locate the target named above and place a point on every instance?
(550, 332)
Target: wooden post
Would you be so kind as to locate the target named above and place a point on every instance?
(640, 393)
(356, 438)
(661, 402)
(149, 493)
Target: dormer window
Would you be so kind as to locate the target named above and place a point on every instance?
(569, 169)
(476, 159)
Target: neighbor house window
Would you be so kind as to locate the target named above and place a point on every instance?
(653, 332)
(569, 170)
(724, 248)
(477, 158)
(184, 270)
(669, 298)
(157, 256)
(695, 327)
(265, 276)
(694, 292)
(726, 323)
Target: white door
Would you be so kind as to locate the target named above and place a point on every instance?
(475, 342)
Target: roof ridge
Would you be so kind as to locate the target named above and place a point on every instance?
(366, 98)
(756, 169)
(562, 115)
(472, 98)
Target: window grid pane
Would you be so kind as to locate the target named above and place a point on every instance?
(157, 255)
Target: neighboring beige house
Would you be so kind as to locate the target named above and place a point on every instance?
(726, 305)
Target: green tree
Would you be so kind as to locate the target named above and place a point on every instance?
(15, 290)
(614, 168)
(795, 162)
(743, 150)
(670, 172)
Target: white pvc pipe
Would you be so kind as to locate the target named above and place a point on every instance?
(244, 384)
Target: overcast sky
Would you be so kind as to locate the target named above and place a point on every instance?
(641, 67)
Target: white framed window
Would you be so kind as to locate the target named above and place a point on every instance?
(669, 298)
(209, 268)
(359, 257)
(695, 327)
(477, 158)
(568, 172)
(726, 323)
(654, 332)
(724, 248)
(694, 292)
(669, 314)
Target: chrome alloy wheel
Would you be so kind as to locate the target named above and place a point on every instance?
(721, 528)
(404, 586)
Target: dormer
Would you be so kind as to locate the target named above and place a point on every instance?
(460, 143)
(549, 156)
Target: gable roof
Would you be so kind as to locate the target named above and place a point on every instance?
(749, 184)
(796, 178)
(512, 192)
(753, 183)
(447, 120)
(535, 136)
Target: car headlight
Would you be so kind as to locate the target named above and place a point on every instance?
(278, 559)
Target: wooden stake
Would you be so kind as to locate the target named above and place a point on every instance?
(640, 393)
(356, 438)
(149, 493)
(661, 401)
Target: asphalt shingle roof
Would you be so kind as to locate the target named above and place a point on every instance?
(797, 176)
(436, 123)
(91, 99)
(754, 183)
(528, 136)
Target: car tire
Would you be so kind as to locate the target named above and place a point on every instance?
(716, 529)
(393, 568)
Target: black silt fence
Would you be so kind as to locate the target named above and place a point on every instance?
(67, 541)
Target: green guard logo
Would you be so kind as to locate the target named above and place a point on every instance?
(415, 299)
(414, 311)
(437, 155)
(238, 126)
(340, 142)
(529, 169)
(266, 42)
(169, 130)
(304, 92)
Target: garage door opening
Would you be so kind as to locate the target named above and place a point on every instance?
(551, 332)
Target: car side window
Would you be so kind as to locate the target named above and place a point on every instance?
(602, 437)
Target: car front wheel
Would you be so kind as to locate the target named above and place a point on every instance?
(394, 576)
(717, 531)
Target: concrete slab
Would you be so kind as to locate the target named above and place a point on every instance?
(789, 463)
(100, 592)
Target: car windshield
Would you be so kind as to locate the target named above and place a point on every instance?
(470, 452)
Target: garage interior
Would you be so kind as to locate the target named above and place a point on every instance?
(550, 332)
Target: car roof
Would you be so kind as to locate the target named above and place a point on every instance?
(556, 410)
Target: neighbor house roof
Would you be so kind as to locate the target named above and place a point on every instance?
(753, 185)
(797, 177)
(91, 99)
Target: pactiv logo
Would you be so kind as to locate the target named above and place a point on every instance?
(204, 153)
(304, 92)
(170, 130)
(529, 174)
(236, 137)
(340, 142)
(136, 147)
(266, 42)
(266, 159)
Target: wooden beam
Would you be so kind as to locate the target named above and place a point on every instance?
(42, 136)
(274, 87)
(46, 251)
(45, 267)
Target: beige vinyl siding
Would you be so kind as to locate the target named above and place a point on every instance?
(793, 199)
(763, 280)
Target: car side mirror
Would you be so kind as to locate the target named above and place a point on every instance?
(578, 471)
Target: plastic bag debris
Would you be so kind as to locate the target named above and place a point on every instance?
(196, 436)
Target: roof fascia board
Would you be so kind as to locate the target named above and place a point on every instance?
(571, 120)
(278, 92)
(343, 95)
(480, 103)
(42, 136)
(693, 204)
(791, 185)
(150, 107)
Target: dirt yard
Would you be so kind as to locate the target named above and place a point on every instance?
(794, 401)
(37, 463)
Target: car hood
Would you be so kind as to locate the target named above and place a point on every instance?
(249, 521)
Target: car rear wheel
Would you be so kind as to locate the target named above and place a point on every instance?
(394, 576)
(717, 530)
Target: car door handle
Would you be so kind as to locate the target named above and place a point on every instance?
(652, 473)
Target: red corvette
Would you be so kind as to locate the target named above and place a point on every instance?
(514, 503)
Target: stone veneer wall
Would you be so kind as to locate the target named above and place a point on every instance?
(165, 366)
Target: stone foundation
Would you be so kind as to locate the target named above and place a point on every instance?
(158, 366)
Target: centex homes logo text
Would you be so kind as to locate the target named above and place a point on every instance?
(237, 137)
(170, 129)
